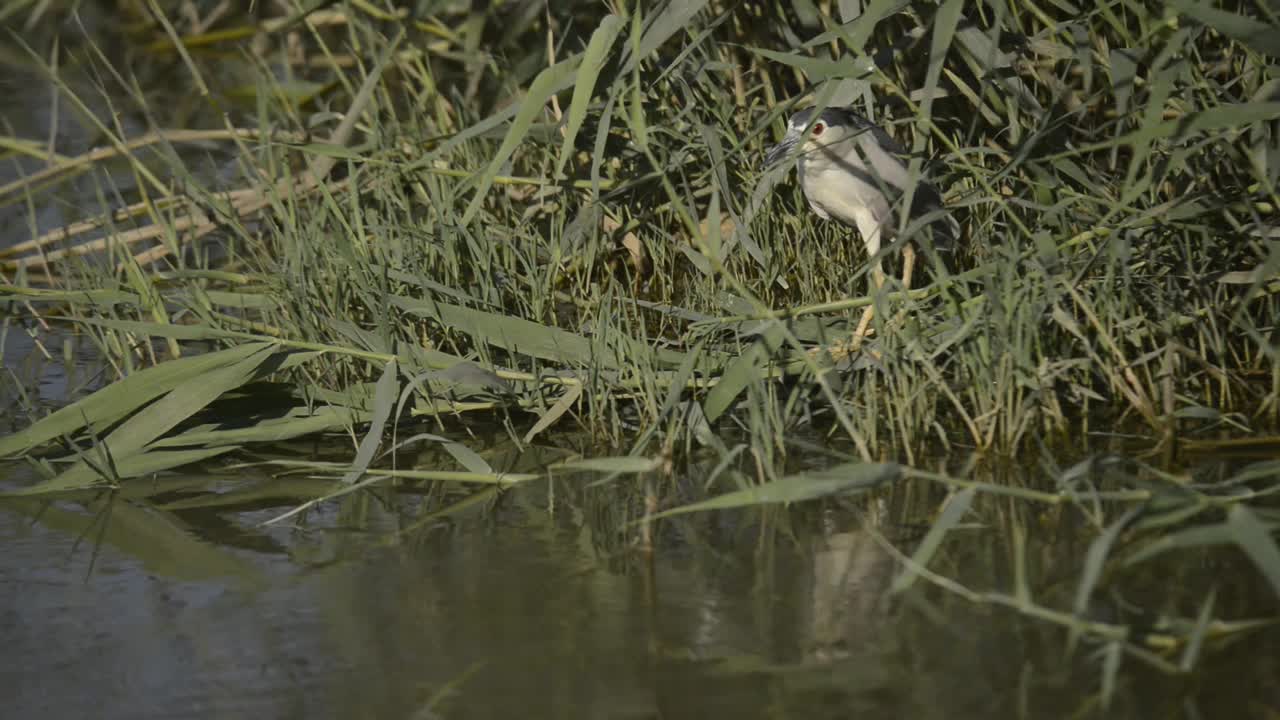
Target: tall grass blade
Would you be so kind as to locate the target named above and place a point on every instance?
(674, 17)
(624, 464)
(384, 401)
(549, 82)
(117, 400)
(952, 512)
(838, 480)
(1094, 562)
(133, 436)
(1255, 33)
(1255, 539)
(1191, 653)
(749, 367)
(561, 406)
(593, 61)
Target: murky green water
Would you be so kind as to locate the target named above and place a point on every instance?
(507, 610)
(529, 606)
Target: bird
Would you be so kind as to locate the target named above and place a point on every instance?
(851, 170)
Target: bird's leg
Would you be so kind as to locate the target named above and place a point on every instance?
(908, 268)
(870, 228)
(908, 265)
(864, 325)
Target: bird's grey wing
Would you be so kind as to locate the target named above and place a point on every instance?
(887, 161)
(889, 168)
(886, 140)
(944, 231)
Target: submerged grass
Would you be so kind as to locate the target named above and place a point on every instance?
(556, 218)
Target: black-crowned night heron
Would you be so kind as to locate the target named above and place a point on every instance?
(851, 169)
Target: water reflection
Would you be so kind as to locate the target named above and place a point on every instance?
(172, 598)
(534, 603)
(508, 611)
(851, 574)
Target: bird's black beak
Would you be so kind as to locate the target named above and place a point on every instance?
(779, 151)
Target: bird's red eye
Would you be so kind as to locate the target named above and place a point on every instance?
(818, 128)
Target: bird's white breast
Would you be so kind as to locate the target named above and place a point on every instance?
(834, 193)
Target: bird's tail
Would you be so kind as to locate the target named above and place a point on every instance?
(939, 240)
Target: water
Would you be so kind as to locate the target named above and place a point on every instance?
(542, 601)
(511, 610)
(507, 611)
